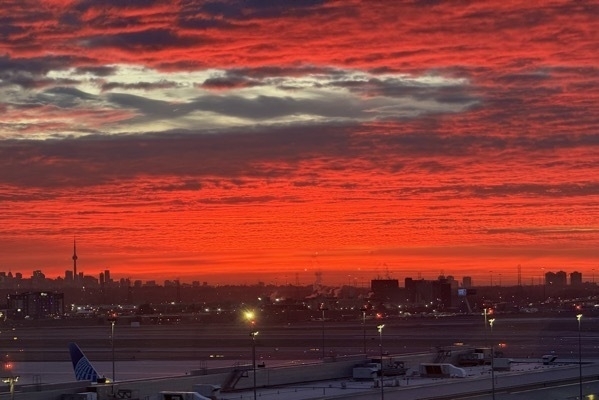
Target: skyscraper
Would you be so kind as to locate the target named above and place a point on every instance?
(576, 278)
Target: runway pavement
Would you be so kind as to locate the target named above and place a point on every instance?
(515, 336)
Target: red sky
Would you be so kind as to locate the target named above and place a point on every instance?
(237, 141)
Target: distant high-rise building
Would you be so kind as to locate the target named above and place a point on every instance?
(561, 278)
(36, 304)
(38, 278)
(444, 291)
(418, 290)
(68, 276)
(38, 274)
(385, 289)
(102, 279)
(556, 279)
(549, 278)
(107, 276)
(88, 280)
(129, 292)
(576, 278)
(467, 281)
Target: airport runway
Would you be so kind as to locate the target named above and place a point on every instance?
(515, 336)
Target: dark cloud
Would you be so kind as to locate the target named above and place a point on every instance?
(28, 81)
(181, 65)
(96, 160)
(149, 109)
(149, 39)
(258, 108)
(184, 184)
(71, 92)
(268, 107)
(525, 78)
(392, 87)
(36, 66)
(251, 9)
(511, 190)
(198, 23)
(111, 8)
(8, 29)
(85, 5)
(97, 70)
(139, 85)
(64, 97)
(274, 71)
(228, 83)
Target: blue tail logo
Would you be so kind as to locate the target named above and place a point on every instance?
(84, 371)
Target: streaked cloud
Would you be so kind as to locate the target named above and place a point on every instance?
(407, 133)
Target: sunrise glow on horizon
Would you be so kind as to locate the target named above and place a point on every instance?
(244, 141)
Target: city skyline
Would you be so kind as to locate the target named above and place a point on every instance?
(548, 277)
(255, 141)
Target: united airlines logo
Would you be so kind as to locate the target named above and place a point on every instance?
(84, 370)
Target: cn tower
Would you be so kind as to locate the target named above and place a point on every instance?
(74, 260)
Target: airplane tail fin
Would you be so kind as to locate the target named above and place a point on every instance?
(84, 371)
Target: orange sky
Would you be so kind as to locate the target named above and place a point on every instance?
(243, 141)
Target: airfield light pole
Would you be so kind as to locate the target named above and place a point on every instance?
(380, 329)
(253, 335)
(364, 329)
(485, 314)
(11, 380)
(322, 308)
(112, 320)
(491, 321)
(579, 317)
(250, 317)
